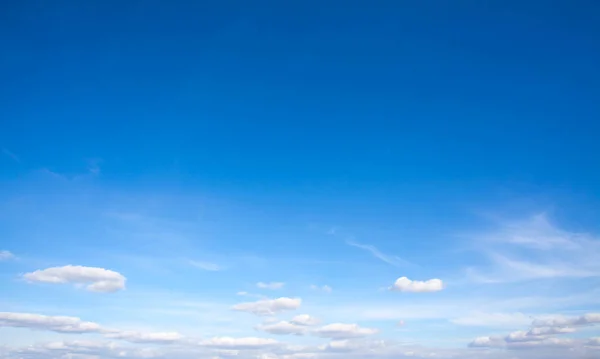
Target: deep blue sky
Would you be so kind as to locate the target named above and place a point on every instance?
(296, 92)
(312, 143)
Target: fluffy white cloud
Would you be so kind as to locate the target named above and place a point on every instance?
(586, 319)
(305, 319)
(282, 328)
(404, 284)
(269, 306)
(140, 337)
(239, 343)
(96, 279)
(6, 255)
(272, 285)
(59, 324)
(343, 331)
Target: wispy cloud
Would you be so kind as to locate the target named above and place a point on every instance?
(271, 285)
(6, 255)
(535, 248)
(207, 266)
(11, 155)
(389, 259)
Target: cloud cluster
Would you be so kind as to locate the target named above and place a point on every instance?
(404, 284)
(543, 333)
(269, 306)
(95, 279)
(60, 324)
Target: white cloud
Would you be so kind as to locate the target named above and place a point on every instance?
(393, 260)
(96, 279)
(207, 266)
(404, 284)
(140, 337)
(272, 285)
(481, 319)
(61, 324)
(239, 343)
(323, 288)
(344, 331)
(586, 319)
(305, 319)
(346, 345)
(6, 255)
(269, 306)
(282, 328)
(487, 342)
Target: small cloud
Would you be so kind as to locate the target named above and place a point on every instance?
(207, 266)
(282, 328)
(400, 323)
(147, 338)
(344, 331)
(242, 293)
(6, 255)
(97, 279)
(94, 166)
(404, 284)
(238, 343)
(265, 307)
(272, 285)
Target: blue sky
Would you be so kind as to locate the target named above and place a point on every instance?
(295, 180)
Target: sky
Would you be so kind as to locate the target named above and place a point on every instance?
(299, 179)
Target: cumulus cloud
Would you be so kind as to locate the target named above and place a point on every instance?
(404, 284)
(140, 337)
(282, 328)
(59, 324)
(269, 306)
(6, 255)
(272, 285)
(305, 319)
(95, 279)
(344, 331)
(239, 343)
